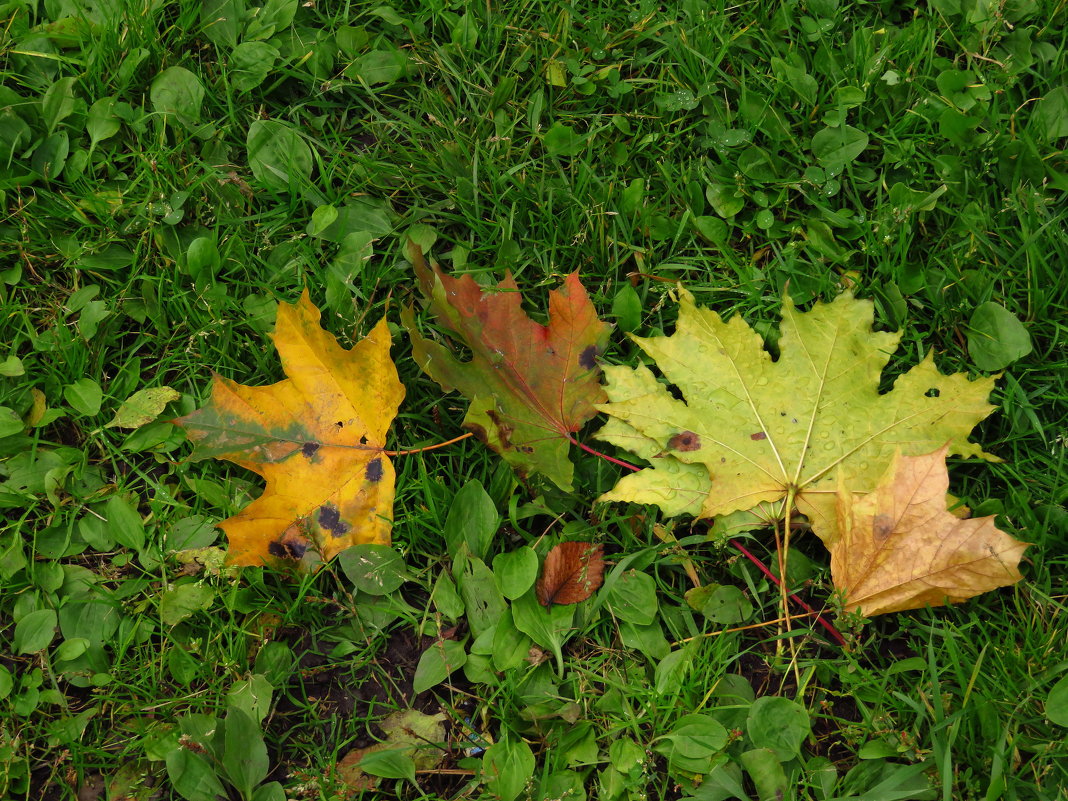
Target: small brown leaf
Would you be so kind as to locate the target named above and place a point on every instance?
(572, 572)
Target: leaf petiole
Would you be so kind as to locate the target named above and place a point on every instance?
(738, 546)
(797, 599)
(434, 447)
(605, 456)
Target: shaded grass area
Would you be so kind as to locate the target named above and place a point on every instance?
(911, 152)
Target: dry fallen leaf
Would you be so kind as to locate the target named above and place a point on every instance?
(899, 548)
(143, 407)
(572, 573)
(408, 730)
(316, 438)
(754, 431)
(531, 386)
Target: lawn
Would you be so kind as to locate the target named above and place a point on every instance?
(170, 173)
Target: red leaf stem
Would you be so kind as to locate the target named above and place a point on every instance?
(795, 598)
(737, 545)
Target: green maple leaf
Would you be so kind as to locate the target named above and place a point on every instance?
(531, 386)
(753, 431)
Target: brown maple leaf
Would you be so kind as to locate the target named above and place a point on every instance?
(900, 548)
(572, 572)
(317, 439)
(531, 386)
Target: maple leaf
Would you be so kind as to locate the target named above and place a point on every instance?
(531, 386)
(768, 431)
(572, 573)
(317, 439)
(899, 548)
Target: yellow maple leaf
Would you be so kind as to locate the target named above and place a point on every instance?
(316, 438)
(752, 431)
(899, 548)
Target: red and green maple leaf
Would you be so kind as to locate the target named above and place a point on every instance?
(531, 386)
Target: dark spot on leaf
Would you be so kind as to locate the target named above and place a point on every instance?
(685, 441)
(478, 431)
(374, 470)
(288, 547)
(933, 392)
(588, 357)
(309, 449)
(363, 440)
(504, 431)
(525, 449)
(882, 527)
(340, 424)
(758, 436)
(330, 520)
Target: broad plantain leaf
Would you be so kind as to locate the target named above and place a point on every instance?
(996, 337)
(531, 386)
(316, 438)
(754, 432)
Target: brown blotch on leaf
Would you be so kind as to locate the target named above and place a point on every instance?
(685, 441)
(588, 358)
(758, 436)
(288, 546)
(374, 470)
(478, 431)
(330, 520)
(504, 431)
(882, 526)
(309, 449)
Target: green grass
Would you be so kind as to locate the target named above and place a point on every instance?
(142, 245)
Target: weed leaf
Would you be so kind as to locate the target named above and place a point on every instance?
(279, 157)
(996, 337)
(143, 407)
